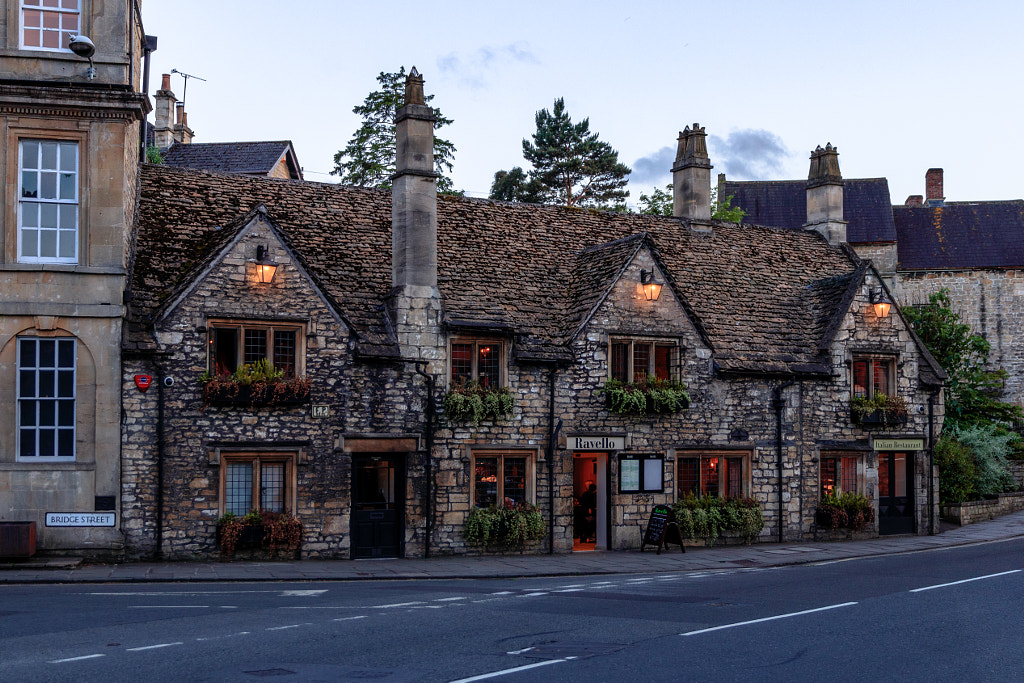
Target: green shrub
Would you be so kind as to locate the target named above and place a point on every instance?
(708, 517)
(465, 402)
(990, 448)
(838, 510)
(650, 396)
(507, 527)
(957, 475)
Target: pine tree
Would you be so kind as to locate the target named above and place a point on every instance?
(368, 159)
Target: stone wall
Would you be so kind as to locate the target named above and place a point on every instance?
(981, 510)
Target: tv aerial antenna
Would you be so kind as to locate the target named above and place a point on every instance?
(184, 90)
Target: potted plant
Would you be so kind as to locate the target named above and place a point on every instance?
(880, 409)
(508, 526)
(471, 401)
(649, 396)
(271, 531)
(838, 510)
(256, 384)
(707, 517)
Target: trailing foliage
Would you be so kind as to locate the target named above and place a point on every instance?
(153, 155)
(259, 384)
(708, 517)
(893, 409)
(990, 446)
(971, 396)
(958, 477)
(571, 166)
(465, 402)
(650, 396)
(507, 527)
(838, 510)
(272, 531)
(368, 159)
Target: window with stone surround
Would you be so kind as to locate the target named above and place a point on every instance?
(48, 24)
(48, 201)
(257, 481)
(873, 375)
(46, 399)
(719, 474)
(632, 360)
(502, 477)
(477, 360)
(233, 343)
(842, 471)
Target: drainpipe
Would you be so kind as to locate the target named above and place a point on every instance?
(159, 553)
(553, 430)
(931, 463)
(429, 439)
(779, 404)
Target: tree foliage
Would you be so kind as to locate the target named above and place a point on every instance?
(972, 390)
(516, 186)
(571, 165)
(368, 159)
(659, 203)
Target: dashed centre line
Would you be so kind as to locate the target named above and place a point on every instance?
(152, 647)
(285, 628)
(74, 659)
(956, 583)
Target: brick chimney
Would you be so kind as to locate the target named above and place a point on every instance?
(825, 195)
(691, 176)
(933, 187)
(164, 101)
(182, 133)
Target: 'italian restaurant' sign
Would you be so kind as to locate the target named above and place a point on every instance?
(899, 444)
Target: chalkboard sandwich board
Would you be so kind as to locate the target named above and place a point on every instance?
(662, 529)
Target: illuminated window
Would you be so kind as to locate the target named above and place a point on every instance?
(257, 481)
(719, 475)
(872, 376)
(46, 399)
(840, 471)
(232, 344)
(48, 201)
(48, 24)
(476, 361)
(632, 361)
(502, 478)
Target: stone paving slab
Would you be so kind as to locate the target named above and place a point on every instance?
(71, 570)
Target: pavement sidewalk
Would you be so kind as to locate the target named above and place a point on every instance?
(509, 566)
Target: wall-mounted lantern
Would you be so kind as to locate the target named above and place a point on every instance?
(265, 268)
(652, 289)
(880, 303)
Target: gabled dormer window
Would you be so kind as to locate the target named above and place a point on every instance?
(47, 24)
(233, 344)
(871, 376)
(634, 360)
(477, 361)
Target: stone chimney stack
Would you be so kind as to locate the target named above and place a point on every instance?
(933, 187)
(825, 195)
(414, 196)
(164, 101)
(691, 176)
(182, 133)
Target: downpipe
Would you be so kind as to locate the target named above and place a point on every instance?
(429, 466)
(779, 404)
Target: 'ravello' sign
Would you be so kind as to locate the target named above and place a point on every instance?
(899, 444)
(595, 443)
(79, 519)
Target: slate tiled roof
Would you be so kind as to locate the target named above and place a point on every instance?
(961, 235)
(250, 158)
(783, 203)
(756, 292)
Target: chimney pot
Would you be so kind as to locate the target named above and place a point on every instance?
(165, 82)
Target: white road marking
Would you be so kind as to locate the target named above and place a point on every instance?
(184, 592)
(74, 659)
(758, 621)
(168, 607)
(503, 593)
(429, 607)
(519, 652)
(531, 595)
(449, 599)
(283, 628)
(361, 616)
(302, 594)
(230, 635)
(495, 674)
(574, 585)
(151, 647)
(569, 590)
(397, 604)
(955, 583)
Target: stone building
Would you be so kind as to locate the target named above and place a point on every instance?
(69, 150)
(975, 249)
(771, 330)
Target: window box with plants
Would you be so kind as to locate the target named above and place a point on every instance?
(257, 384)
(649, 396)
(265, 530)
(507, 527)
(838, 510)
(881, 410)
(471, 401)
(709, 517)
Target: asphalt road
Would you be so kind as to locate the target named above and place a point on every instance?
(947, 615)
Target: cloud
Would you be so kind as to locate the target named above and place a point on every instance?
(654, 169)
(477, 69)
(748, 154)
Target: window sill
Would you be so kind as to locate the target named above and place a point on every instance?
(57, 465)
(63, 268)
(877, 418)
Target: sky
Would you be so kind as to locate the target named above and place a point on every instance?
(898, 87)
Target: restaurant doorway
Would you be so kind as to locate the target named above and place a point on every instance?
(590, 501)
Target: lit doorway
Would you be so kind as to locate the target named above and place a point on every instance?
(590, 501)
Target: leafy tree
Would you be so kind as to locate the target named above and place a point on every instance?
(368, 159)
(570, 164)
(659, 203)
(516, 186)
(972, 390)
(724, 210)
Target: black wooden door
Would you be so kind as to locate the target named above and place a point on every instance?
(895, 493)
(377, 510)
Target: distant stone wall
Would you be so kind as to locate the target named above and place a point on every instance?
(981, 510)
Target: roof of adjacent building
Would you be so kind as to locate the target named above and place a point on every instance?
(959, 235)
(867, 207)
(763, 299)
(249, 158)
